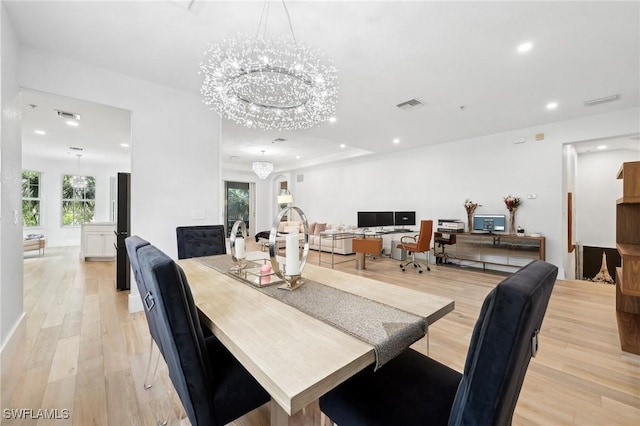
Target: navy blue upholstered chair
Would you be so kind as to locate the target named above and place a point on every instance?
(213, 386)
(198, 241)
(413, 389)
(132, 244)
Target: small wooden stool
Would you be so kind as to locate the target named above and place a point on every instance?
(364, 246)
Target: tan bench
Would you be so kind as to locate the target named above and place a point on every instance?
(34, 244)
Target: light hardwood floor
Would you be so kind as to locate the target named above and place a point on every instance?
(84, 352)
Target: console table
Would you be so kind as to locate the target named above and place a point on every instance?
(497, 249)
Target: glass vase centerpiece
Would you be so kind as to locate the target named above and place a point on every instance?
(295, 258)
(512, 203)
(237, 246)
(470, 207)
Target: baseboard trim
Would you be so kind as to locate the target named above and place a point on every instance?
(12, 358)
(135, 303)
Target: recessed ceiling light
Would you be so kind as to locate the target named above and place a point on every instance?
(124, 145)
(396, 141)
(602, 147)
(72, 123)
(297, 157)
(39, 132)
(343, 145)
(552, 105)
(525, 47)
(332, 119)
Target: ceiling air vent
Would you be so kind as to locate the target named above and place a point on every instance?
(75, 148)
(276, 140)
(601, 100)
(68, 115)
(410, 104)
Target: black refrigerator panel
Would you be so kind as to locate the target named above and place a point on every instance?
(123, 231)
(123, 214)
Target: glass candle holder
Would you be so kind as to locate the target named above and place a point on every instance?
(295, 261)
(237, 245)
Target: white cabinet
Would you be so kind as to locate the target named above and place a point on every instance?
(98, 241)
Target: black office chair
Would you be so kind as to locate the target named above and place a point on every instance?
(198, 241)
(213, 386)
(413, 389)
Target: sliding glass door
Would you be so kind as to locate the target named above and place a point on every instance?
(239, 204)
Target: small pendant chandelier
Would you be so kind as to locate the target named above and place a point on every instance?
(262, 168)
(78, 181)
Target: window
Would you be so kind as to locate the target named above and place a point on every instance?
(30, 198)
(78, 199)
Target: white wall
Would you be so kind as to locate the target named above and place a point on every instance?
(597, 190)
(436, 180)
(11, 298)
(175, 153)
(51, 196)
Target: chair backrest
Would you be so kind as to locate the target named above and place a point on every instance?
(503, 341)
(424, 239)
(132, 244)
(198, 241)
(183, 346)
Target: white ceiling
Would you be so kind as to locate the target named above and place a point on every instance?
(447, 54)
(100, 132)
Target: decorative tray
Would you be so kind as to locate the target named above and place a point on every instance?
(259, 279)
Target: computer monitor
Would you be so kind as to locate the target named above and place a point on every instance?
(384, 219)
(375, 219)
(489, 222)
(404, 218)
(367, 220)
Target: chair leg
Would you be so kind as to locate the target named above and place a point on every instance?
(408, 262)
(415, 263)
(325, 421)
(148, 380)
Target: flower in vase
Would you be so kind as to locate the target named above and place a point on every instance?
(512, 202)
(470, 206)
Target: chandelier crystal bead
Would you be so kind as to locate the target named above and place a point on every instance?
(269, 83)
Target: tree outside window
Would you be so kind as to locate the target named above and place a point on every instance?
(237, 203)
(30, 198)
(78, 199)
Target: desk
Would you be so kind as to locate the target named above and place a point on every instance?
(334, 236)
(295, 357)
(388, 236)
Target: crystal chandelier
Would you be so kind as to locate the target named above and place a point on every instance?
(77, 181)
(262, 168)
(269, 83)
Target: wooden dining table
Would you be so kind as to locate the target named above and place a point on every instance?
(294, 356)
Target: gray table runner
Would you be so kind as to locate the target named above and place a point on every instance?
(390, 330)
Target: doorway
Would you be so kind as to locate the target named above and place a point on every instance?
(590, 170)
(239, 201)
(63, 136)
